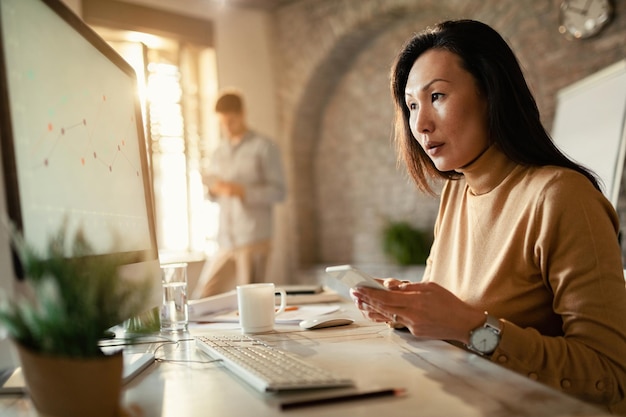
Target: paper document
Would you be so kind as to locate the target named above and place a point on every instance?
(327, 295)
(221, 304)
(293, 314)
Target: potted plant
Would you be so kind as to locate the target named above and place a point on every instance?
(405, 244)
(65, 306)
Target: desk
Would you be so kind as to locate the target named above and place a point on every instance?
(440, 379)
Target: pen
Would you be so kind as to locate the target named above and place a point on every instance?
(342, 396)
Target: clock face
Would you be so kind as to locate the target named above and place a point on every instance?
(484, 340)
(581, 19)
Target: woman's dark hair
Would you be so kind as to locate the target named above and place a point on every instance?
(514, 122)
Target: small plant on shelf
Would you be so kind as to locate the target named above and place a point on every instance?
(405, 244)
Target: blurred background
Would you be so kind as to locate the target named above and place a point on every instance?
(315, 76)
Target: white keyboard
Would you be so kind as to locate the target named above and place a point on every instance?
(266, 368)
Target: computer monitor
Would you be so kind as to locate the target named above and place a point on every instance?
(73, 144)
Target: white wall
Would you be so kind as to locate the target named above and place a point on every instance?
(243, 59)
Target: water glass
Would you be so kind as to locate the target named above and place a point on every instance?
(174, 310)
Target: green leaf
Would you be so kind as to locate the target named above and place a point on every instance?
(72, 300)
(405, 244)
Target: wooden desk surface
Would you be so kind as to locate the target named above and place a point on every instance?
(440, 379)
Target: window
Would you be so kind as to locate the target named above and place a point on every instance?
(177, 82)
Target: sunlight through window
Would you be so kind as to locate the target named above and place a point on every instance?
(186, 220)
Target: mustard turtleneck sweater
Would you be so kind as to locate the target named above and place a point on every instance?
(538, 248)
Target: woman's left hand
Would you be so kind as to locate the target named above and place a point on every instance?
(426, 309)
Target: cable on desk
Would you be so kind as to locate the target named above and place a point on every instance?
(181, 361)
(186, 361)
(132, 341)
(157, 340)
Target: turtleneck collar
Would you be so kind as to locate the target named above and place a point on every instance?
(488, 171)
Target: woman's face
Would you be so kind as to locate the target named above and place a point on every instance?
(448, 115)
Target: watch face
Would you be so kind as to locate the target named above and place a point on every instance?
(484, 340)
(584, 18)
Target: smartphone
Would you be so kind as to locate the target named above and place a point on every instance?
(352, 277)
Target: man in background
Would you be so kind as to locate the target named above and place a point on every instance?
(245, 177)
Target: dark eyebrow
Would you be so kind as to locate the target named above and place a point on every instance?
(429, 84)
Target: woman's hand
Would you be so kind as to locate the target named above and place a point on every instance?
(426, 309)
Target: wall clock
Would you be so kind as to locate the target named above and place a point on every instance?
(581, 19)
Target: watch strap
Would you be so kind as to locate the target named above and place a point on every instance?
(493, 323)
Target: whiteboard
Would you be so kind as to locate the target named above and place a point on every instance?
(589, 125)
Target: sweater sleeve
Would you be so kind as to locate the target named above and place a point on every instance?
(577, 251)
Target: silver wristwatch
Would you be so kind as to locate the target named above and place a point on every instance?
(485, 339)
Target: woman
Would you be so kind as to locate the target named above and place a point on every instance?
(525, 268)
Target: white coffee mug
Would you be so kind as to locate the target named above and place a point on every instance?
(257, 306)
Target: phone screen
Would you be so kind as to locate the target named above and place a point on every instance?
(352, 277)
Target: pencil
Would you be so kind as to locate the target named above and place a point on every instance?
(343, 396)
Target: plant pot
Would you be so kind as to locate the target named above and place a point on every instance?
(73, 387)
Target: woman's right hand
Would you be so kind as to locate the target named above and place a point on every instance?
(427, 309)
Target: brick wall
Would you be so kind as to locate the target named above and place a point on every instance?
(333, 64)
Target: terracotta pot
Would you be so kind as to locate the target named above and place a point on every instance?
(73, 387)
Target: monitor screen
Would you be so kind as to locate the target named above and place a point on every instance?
(73, 144)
